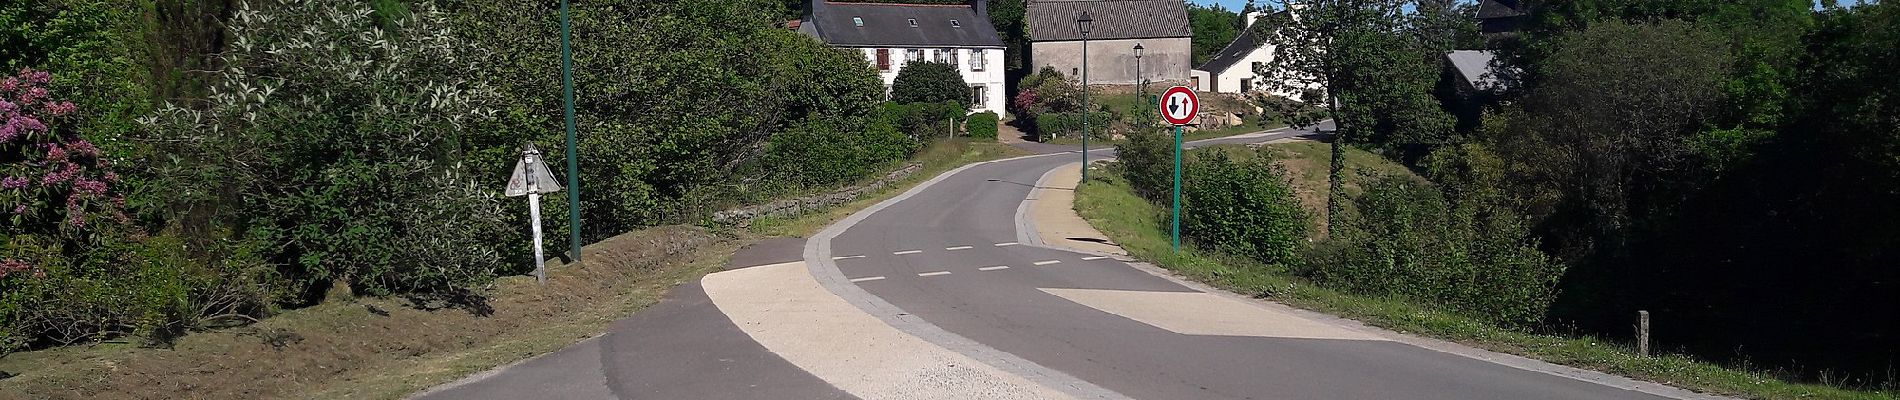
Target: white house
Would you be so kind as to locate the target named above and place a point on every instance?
(892, 35)
(1233, 69)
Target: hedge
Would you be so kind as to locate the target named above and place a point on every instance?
(982, 125)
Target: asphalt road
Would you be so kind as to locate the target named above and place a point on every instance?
(945, 264)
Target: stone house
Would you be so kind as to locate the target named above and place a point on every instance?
(1159, 26)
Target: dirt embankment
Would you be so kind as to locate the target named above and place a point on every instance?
(382, 348)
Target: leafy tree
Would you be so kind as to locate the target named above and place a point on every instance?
(1246, 208)
(1366, 63)
(1621, 103)
(340, 148)
(1008, 17)
(930, 82)
(1214, 27)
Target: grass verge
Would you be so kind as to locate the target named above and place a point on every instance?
(382, 348)
(1108, 203)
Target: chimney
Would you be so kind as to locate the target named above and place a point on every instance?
(982, 8)
(1251, 17)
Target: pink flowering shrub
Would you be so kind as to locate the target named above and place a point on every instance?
(52, 182)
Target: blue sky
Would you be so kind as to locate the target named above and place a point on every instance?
(1234, 4)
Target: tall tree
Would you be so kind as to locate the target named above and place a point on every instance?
(1214, 27)
(1365, 61)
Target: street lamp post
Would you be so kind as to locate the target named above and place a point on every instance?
(1082, 24)
(573, 158)
(1141, 85)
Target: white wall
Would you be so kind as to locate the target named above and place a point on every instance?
(990, 76)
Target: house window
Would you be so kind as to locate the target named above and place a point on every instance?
(913, 22)
(859, 21)
(954, 24)
(976, 59)
(947, 56)
(1256, 68)
(979, 97)
(884, 60)
(913, 55)
(1246, 85)
(1195, 82)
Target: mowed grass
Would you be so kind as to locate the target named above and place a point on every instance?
(1108, 203)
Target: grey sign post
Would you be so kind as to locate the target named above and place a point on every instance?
(532, 178)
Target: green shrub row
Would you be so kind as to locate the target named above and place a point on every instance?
(1456, 244)
(1067, 124)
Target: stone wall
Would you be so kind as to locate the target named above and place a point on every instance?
(1113, 61)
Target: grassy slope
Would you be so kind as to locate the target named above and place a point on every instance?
(1108, 203)
(346, 349)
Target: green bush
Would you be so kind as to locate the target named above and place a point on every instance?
(1245, 208)
(677, 103)
(930, 82)
(982, 125)
(922, 121)
(1064, 124)
(1461, 247)
(1147, 160)
(342, 149)
(828, 151)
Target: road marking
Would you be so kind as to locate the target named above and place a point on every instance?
(1006, 244)
(1048, 262)
(993, 268)
(867, 279)
(847, 257)
(957, 248)
(938, 273)
(1092, 258)
(908, 252)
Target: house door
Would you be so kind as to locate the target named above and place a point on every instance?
(1246, 85)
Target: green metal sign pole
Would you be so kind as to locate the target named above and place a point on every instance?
(1175, 224)
(573, 162)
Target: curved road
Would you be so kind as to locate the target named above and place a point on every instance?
(950, 263)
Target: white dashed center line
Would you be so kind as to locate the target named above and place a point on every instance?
(907, 252)
(867, 279)
(934, 273)
(1005, 244)
(957, 248)
(1048, 262)
(993, 268)
(847, 257)
(1092, 258)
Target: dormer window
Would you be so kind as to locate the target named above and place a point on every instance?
(913, 22)
(955, 24)
(859, 21)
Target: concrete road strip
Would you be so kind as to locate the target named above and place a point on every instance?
(1006, 244)
(847, 257)
(867, 279)
(1213, 315)
(1047, 262)
(907, 252)
(783, 308)
(958, 248)
(938, 273)
(993, 268)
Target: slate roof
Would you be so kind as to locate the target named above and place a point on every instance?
(1054, 20)
(888, 25)
(1235, 51)
(1488, 9)
(1475, 67)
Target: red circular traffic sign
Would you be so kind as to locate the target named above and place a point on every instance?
(1178, 105)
